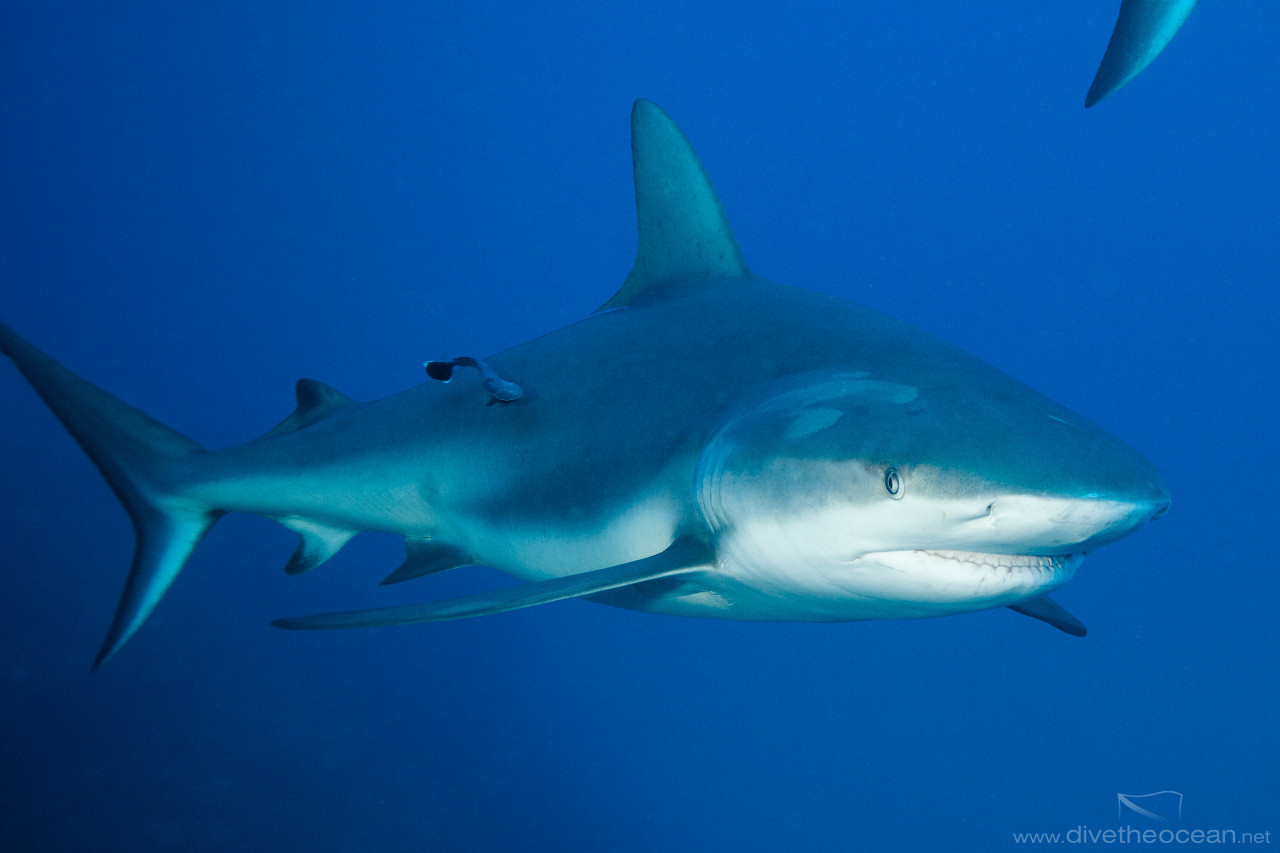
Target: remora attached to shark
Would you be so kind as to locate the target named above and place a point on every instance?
(708, 443)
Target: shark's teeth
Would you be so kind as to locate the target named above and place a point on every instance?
(1012, 562)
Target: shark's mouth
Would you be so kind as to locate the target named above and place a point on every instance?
(974, 577)
(1008, 563)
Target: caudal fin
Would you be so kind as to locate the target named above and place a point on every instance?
(1143, 29)
(143, 461)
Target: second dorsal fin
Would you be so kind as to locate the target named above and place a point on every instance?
(684, 233)
(316, 401)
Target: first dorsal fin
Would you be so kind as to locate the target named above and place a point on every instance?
(684, 234)
(316, 401)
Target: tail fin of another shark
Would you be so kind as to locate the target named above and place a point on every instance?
(1142, 31)
(145, 464)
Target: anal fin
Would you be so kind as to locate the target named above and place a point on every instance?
(685, 555)
(319, 543)
(1047, 610)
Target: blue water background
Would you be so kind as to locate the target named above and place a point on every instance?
(203, 202)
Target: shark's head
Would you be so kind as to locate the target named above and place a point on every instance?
(866, 497)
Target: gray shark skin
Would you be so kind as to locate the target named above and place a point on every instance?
(708, 443)
(1143, 29)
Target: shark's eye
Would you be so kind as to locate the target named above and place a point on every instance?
(893, 483)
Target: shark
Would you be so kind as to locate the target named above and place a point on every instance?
(707, 443)
(1143, 29)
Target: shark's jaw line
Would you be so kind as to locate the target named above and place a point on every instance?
(971, 575)
(921, 583)
(980, 561)
(822, 585)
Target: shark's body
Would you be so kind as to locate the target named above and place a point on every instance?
(708, 444)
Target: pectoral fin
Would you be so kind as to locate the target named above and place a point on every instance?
(685, 555)
(1046, 609)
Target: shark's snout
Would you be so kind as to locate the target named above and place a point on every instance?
(1065, 485)
(1123, 516)
(1132, 495)
(1048, 525)
(1096, 491)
